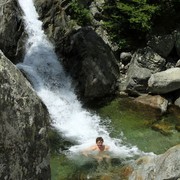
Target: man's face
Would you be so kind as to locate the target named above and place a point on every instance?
(99, 143)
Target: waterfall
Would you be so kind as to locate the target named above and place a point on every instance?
(53, 86)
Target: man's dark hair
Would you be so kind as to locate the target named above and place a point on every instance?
(99, 139)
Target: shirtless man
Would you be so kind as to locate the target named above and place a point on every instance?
(102, 151)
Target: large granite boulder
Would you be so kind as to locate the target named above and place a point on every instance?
(164, 166)
(165, 81)
(90, 62)
(24, 152)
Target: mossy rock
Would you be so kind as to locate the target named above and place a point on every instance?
(163, 127)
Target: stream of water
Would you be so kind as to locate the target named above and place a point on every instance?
(53, 86)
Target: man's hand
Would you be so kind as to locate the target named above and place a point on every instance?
(85, 154)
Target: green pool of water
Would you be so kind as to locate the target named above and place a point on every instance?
(128, 122)
(135, 125)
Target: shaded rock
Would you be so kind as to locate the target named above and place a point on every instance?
(91, 63)
(24, 119)
(136, 82)
(11, 30)
(165, 81)
(177, 42)
(162, 44)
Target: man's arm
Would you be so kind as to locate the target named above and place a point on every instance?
(86, 151)
(107, 148)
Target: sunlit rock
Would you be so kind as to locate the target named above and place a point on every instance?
(164, 166)
(23, 127)
(165, 81)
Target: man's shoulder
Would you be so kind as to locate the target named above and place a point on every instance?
(107, 147)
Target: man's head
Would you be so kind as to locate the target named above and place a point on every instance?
(99, 141)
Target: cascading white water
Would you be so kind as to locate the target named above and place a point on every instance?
(54, 88)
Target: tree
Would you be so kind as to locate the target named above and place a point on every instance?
(125, 19)
(80, 13)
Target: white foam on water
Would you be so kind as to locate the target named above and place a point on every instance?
(46, 74)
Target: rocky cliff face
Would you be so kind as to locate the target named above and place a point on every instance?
(23, 127)
(11, 30)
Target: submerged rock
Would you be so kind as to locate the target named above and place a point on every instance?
(164, 128)
(155, 102)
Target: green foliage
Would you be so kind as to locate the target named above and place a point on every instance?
(124, 19)
(79, 13)
(138, 14)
